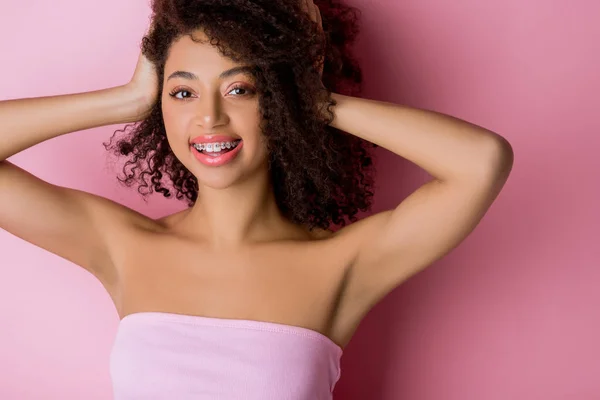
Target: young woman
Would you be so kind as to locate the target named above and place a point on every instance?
(254, 290)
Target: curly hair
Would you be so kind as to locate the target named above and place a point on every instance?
(321, 176)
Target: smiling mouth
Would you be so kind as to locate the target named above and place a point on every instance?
(216, 149)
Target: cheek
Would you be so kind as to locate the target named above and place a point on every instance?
(256, 138)
(261, 149)
(176, 122)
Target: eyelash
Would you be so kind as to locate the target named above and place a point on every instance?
(176, 91)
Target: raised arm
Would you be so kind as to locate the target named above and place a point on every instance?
(469, 165)
(70, 223)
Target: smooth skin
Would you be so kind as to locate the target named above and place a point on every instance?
(227, 258)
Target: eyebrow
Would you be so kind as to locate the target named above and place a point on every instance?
(225, 74)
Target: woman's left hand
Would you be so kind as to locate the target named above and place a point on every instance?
(315, 14)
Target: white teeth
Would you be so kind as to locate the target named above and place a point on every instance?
(216, 147)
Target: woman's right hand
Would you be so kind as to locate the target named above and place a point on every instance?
(144, 86)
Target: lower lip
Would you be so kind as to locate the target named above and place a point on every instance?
(218, 160)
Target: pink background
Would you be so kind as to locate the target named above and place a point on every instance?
(512, 313)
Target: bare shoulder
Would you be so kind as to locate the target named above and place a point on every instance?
(118, 226)
(76, 225)
(341, 248)
(362, 228)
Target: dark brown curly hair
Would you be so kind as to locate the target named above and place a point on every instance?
(321, 175)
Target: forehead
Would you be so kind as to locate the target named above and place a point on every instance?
(197, 56)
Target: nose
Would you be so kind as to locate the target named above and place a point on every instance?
(210, 112)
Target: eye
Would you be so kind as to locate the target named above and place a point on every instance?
(245, 91)
(177, 92)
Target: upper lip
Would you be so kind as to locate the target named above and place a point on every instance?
(213, 139)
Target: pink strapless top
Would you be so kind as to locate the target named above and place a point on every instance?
(177, 357)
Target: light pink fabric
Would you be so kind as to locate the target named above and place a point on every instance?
(174, 356)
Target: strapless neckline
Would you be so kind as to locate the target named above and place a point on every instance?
(235, 323)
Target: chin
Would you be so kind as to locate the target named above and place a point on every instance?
(216, 180)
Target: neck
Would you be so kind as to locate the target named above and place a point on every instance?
(242, 213)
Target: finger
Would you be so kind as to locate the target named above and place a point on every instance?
(319, 17)
(305, 6)
(316, 14)
(311, 10)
